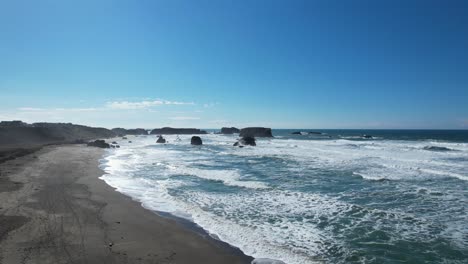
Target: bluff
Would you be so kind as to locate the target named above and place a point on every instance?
(19, 134)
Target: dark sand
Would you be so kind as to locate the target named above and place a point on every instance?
(54, 209)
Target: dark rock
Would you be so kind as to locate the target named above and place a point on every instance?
(229, 130)
(99, 143)
(315, 133)
(367, 136)
(255, 132)
(196, 141)
(129, 141)
(161, 140)
(245, 141)
(296, 133)
(177, 131)
(113, 142)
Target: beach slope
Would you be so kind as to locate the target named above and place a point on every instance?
(54, 209)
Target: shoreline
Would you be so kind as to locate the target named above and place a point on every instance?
(55, 209)
(183, 222)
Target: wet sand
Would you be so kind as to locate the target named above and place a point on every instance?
(54, 209)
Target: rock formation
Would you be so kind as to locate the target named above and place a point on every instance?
(161, 140)
(229, 130)
(245, 141)
(99, 143)
(255, 132)
(196, 141)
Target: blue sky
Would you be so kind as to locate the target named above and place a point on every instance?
(283, 64)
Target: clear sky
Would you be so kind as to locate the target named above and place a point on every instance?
(283, 64)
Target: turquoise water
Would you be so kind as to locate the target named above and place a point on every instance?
(400, 197)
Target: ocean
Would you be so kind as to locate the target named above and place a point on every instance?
(336, 197)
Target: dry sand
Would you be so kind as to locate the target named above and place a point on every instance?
(54, 209)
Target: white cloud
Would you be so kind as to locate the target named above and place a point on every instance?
(143, 104)
(184, 118)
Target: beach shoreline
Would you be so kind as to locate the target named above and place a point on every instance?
(55, 209)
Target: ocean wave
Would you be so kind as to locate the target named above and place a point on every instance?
(437, 148)
(228, 177)
(297, 200)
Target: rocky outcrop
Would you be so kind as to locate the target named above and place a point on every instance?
(177, 131)
(229, 130)
(245, 141)
(255, 132)
(99, 143)
(196, 141)
(161, 140)
(367, 136)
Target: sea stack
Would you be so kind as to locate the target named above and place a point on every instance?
(161, 140)
(229, 130)
(196, 141)
(255, 132)
(245, 141)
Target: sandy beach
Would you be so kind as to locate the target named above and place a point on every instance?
(55, 209)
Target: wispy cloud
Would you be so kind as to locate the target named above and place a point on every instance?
(184, 118)
(143, 104)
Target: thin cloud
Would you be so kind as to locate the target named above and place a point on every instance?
(143, 104)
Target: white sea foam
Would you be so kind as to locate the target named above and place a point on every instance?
(228, 177)
(269, 221)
